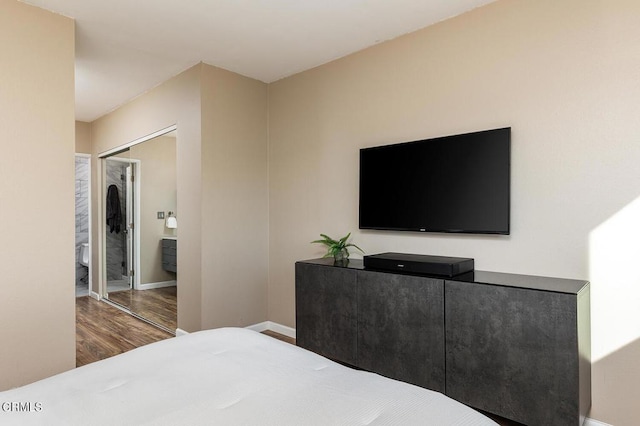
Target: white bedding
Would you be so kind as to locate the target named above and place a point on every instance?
(228, 376)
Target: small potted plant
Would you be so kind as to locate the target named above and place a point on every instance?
(338, 249)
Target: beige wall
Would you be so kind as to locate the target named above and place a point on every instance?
(83, 137)
(176, 101)
(234, 199)
(221, 185)
(37, 253)
(157, 177)
(565, 76)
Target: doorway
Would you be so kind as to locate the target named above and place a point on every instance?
(121, 208)
(83, 224)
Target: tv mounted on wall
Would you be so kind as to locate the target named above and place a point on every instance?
(455, 183)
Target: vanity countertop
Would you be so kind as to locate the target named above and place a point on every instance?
(169, 237)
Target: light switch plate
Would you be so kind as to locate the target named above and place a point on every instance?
(160, 215)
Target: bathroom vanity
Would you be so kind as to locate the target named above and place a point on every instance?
(169, 254)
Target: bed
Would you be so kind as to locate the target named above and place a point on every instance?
(227, 376)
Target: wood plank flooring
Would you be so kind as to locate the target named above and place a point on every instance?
(158, 305)
(103, 331)
(280, 337)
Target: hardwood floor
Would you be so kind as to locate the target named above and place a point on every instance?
(103, 331)
(280, 336)
(157, 305)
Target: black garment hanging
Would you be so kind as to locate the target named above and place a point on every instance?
(114, 214)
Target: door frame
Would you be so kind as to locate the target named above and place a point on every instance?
(137, 166)
(89, 217)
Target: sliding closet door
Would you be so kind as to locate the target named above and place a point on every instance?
(141, 216)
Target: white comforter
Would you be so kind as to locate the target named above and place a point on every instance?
(227, 376)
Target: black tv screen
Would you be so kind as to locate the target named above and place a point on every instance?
(455, 183)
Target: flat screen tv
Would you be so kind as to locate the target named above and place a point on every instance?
(455, 183)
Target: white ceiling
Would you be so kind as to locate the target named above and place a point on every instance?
(126, 47)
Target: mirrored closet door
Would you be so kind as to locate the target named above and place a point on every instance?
(140, 230)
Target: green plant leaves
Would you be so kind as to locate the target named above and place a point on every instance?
(328, 239)
(336, 246)
(353, 245)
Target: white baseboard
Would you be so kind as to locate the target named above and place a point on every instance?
(95, 295)
(263, 326)
(593, 422)
(282, 329)
(273, 326)
(160, 284)
(260, 327)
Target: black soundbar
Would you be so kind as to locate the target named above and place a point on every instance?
(419, 264)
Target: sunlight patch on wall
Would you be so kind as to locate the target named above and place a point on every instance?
(614, 272)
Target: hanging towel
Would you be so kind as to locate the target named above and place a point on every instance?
(114, 214)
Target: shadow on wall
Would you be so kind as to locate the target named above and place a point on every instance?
(614, 272)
